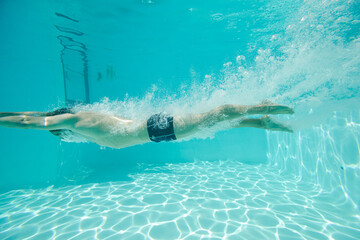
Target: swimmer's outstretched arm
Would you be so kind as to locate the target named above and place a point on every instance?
(13, 120)
(8, 114)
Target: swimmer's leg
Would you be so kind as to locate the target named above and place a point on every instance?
(230, 112)
(264, 122)
(190, 124)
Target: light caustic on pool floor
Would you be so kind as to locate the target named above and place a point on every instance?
(199, 200)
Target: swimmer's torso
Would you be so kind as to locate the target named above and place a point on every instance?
(109, 130)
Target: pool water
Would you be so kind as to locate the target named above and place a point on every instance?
(137, 58)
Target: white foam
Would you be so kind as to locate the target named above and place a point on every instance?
(310, 65)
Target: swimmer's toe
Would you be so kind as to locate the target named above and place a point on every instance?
(270, 124)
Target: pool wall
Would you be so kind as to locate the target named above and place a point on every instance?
(327, 157)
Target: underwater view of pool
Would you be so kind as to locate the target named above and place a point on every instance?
(135, 58)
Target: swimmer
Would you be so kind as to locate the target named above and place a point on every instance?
(101, 128)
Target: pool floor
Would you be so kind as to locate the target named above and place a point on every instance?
(198, 200)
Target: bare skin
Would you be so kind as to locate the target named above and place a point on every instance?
(99, 128)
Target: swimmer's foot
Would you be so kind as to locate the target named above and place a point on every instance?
(273, 108)
(270, 109)
(270, 124)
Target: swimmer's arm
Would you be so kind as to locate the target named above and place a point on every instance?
(63, 121)
(8, 114)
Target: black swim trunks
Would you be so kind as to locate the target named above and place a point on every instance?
(161, 128)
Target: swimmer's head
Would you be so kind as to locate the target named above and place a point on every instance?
(67, 135)
(59, 133)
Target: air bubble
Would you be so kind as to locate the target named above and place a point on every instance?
(240, 59)
(217, 17)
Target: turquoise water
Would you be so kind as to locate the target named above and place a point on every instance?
(142, 57)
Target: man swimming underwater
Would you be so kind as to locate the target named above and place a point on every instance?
(116, 132)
